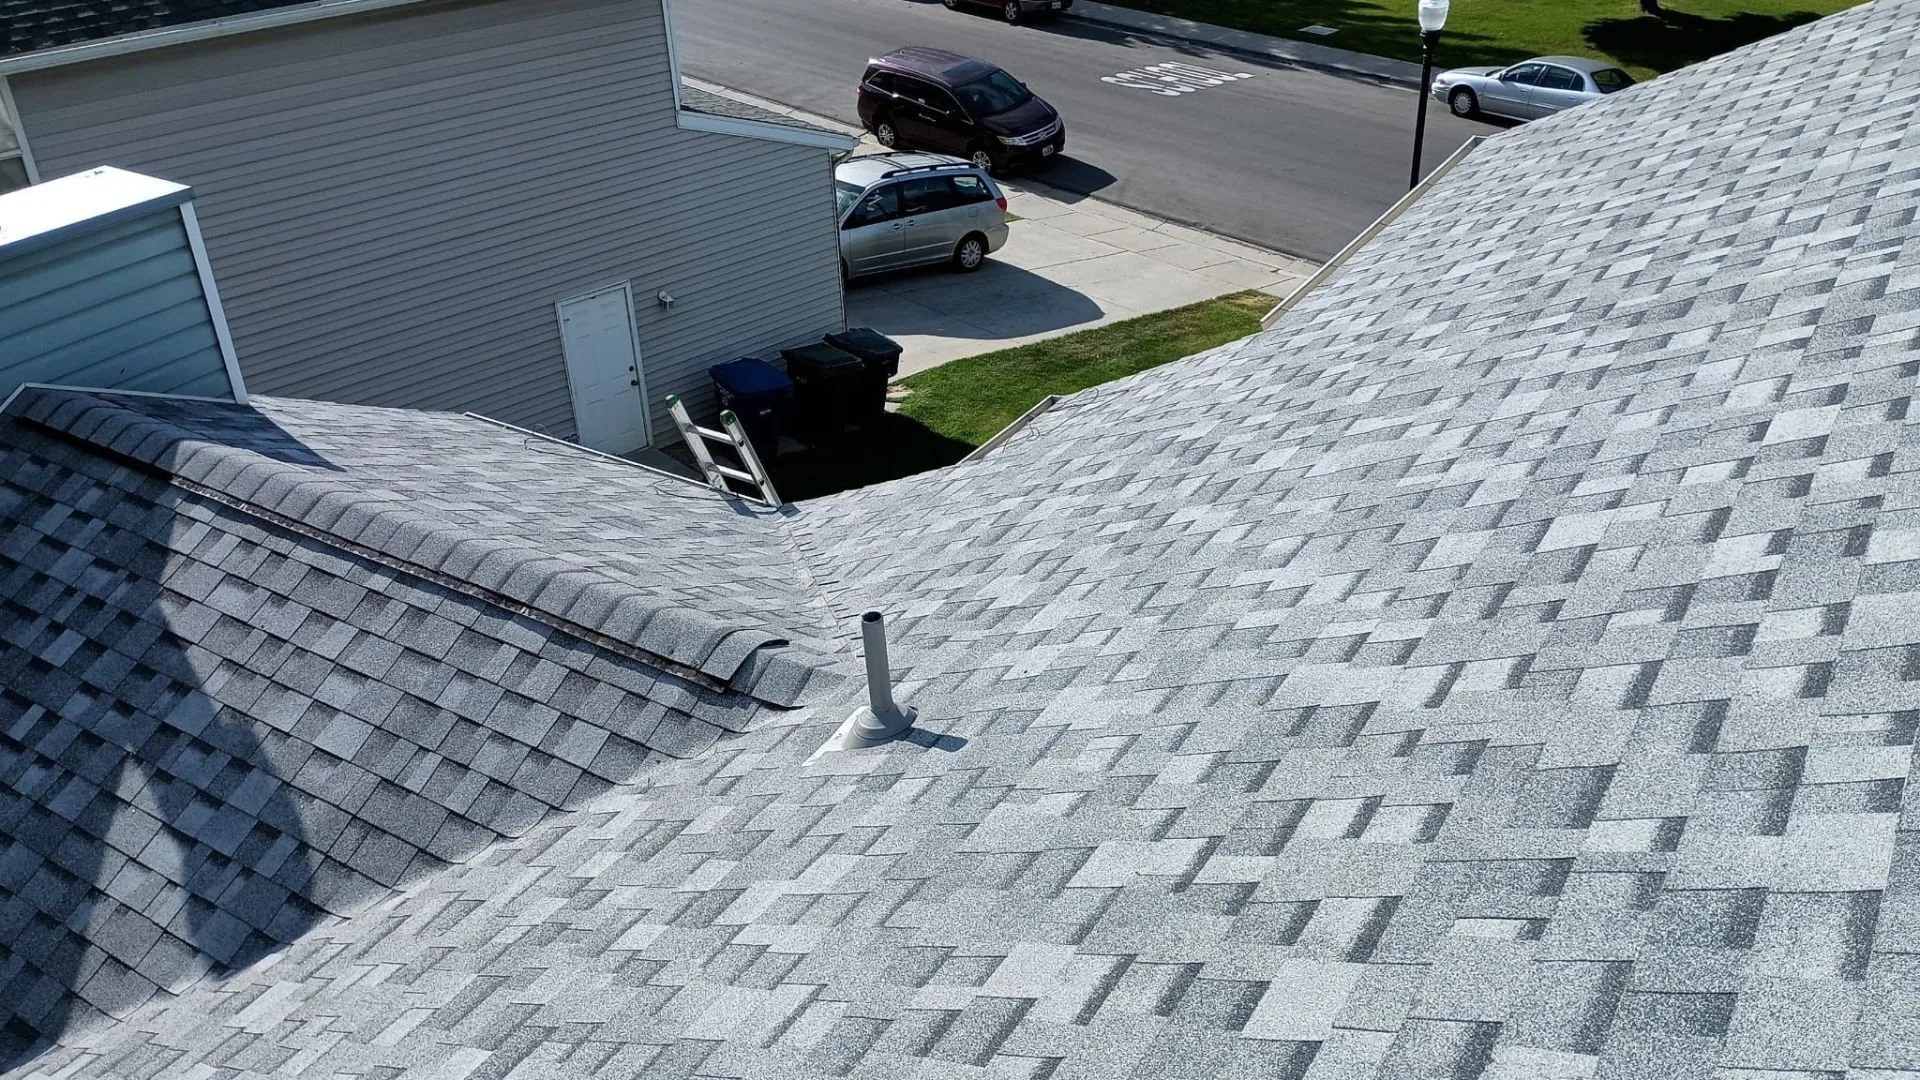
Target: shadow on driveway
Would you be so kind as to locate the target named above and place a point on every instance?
(1000, 301)
(1075, 179)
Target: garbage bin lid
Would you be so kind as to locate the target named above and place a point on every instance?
(821, 358)
(865, 340)
(750, 375)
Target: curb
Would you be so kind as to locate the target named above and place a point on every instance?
(1331, 67)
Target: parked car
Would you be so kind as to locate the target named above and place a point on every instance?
(900, 210)
(1015, 10)
(930, 99)
(1528, 91)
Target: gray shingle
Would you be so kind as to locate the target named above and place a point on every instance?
(1453, 682)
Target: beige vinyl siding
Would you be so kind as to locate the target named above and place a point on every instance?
(394, 203)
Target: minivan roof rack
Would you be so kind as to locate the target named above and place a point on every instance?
(903, 170)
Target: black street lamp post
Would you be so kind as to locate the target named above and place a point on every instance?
(1433, 19)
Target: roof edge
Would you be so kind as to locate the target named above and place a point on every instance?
(576, 600)
(210, 29)
(689, 119)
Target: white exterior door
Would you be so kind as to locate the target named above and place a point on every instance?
(603, 370)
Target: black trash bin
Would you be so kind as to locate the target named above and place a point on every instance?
(827, 388)
(758, 393)
(881, 356)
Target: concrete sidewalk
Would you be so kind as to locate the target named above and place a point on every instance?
(1296, 53)
(1072, 262)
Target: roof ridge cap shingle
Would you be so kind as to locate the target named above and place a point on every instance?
(574, 599)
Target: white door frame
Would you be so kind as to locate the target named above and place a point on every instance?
(639, 357)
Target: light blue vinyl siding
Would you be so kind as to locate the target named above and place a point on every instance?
(121, 308)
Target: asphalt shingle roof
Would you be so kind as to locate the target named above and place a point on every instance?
(1505, 669)
(694, 99)
(32, 25)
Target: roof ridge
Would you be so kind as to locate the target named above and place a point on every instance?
(718, 652)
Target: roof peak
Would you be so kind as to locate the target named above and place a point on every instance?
(238, 456)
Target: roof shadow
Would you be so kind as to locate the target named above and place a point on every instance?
(1001, 302)
(889, 448)
(133, 806)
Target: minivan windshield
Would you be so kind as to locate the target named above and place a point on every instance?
(992, 95)
(845, 195)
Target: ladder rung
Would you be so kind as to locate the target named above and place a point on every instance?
(735, 436)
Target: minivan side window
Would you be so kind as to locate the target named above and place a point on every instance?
(912, 89)
(942, 101)
(883, 81)
(926, 195)
(878, 205)
(968, 190)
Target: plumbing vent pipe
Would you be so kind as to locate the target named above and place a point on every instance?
(881, 719)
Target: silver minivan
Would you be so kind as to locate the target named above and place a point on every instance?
(900, 210)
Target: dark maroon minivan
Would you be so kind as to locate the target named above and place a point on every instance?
(930, 99)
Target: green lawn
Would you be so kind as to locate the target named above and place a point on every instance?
(1503, 31)
(958, 406)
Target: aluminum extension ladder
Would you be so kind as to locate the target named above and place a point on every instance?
(733, 436)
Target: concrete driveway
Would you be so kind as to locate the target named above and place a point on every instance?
(1072, 262)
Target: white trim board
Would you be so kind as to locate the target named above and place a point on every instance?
(689, 120)
(673, 55)
(214, 310)
(228, 26)
(7, 405)
(759, 129)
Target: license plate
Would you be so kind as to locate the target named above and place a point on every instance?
(1055, 5)
(1046, 151)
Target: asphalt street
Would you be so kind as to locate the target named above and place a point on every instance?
(1294, 160)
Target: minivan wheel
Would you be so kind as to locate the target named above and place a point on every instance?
(982, 160)
(1012, 10)
(884, 134)
(951, 4)
(1462, 103)
(970, 254)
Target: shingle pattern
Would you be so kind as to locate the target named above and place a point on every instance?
(1503, 670)
(694, 99)
(214, 732)
(573, 537)
(31, 25)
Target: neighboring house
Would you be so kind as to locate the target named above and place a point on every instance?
(1504, 669)
(452, 204)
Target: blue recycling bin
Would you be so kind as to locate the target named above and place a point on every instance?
(758, 393)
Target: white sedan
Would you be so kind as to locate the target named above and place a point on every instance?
(1530, 90)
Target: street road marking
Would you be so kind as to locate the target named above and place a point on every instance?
(1174, 79)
